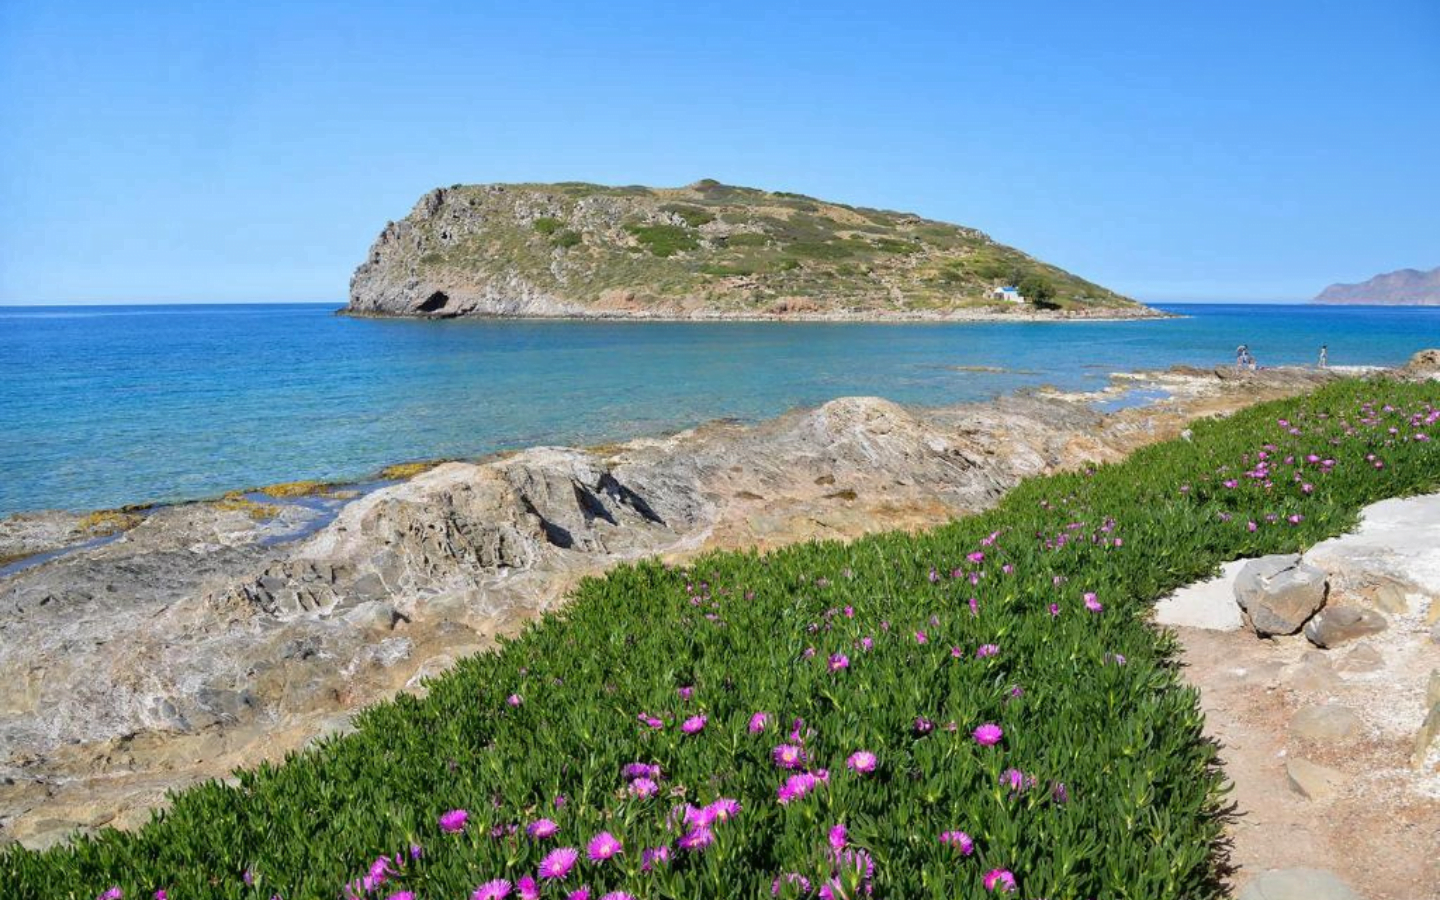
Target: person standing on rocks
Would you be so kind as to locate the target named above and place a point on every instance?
(1324, 357)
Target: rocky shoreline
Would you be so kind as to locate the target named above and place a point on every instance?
(204, 637)
(840, 316)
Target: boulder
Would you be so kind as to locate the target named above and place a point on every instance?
(1314, 781)
(1337, 624)
(1279, 593)
(1330, 723)
(1297, 884)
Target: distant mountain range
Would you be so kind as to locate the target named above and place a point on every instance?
(1406, 287)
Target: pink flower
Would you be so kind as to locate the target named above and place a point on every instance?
(866, 643)
(696, 839)
(797, 786)
(514, 700)
(603, 846)
(654, 856)
(985, 650)
(837, 838)
(540, 829)
(580, 893)
(650, 721)
(113, 893)
(402, 895)
(795, 878)
(685, 692)
(1054, 609)
(558, 863)
(644, 788)
(618, 895)
(862, 762)
(453, 822)
(498, 889)
(722, 809)
(788, 756)
(1093, 603)
(694, 725)
(839, 661)
(988, 735)
(527, 888)
(758, 722)
(920, 638)
(999, 880)
(959, 840)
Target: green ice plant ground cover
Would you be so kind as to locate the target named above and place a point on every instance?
(977, 710)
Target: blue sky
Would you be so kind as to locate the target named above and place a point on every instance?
(245, 152)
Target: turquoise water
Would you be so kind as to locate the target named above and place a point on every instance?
(104, 406)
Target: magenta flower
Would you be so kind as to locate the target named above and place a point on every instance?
(862, 762)
(617, 895)
(921, 638)
(498, 889)
(959, 840)
(866, 643)
(650, 721)
(837, 837)
(402, 895)
(1014, 779)
(1093, 603)
(999, 880)
(514, 700)
(540, 829)
(161, 895)
(654, 856)
(453, 822)
(604, 846)
(113, 893)
(694, 725)
(686, 692)
(988, 735)
(527, 888)
(722, 809)
(795, 878)
(644, 788)
(696, 839)
(985, 650)
(923, 726)
(839, 661)
(558, 863)
(788, 756)
(797, 786)
(758, 722)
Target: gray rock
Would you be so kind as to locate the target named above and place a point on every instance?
(1279, 593)
(1314, 781)
(1429, 731)
(1335, 625)
(1330, 723)
(1432, 689)
(1363, 658)
(1314, 674)
(1297, 884)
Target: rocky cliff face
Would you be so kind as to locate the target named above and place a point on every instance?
(201, 639)
(706, 250)
(1406, 287)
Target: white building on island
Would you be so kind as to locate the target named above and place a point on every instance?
(1008, 293)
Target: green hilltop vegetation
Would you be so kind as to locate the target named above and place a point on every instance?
(982, 707)
(704, 248)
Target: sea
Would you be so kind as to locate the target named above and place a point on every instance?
(112, 405)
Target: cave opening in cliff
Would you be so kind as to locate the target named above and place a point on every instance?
(435, 302)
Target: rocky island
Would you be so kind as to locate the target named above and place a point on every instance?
(704, 251)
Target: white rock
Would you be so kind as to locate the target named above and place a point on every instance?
(1205, 604)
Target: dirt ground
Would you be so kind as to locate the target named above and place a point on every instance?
(1381, 831)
